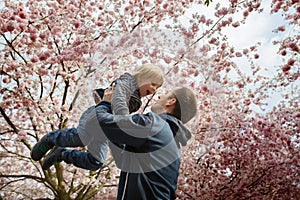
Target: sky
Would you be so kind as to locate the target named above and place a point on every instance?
(258, 28)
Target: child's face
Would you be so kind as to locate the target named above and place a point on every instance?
(148, 88)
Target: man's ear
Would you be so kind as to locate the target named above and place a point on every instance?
(171, 101)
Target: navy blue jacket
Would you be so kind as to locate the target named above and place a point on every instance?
(146, 148)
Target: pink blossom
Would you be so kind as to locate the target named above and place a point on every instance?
(44, 56)
(184, 73)
(223, 46)
(202, 19)
(5, 14)
(209, 22)
(34, 59)
(283, 53)
(167, 59)
(247, 102)
(103, 180)
(23, 15)
(56, 30)
(20, 20)
(238, 54)
(32, 30)
(12, 18)
(245, 51)
(99, 24)
(212, 40)
(76, 23)
(10, 26)
(286, 68)
(33, 37)
(291, 62)
(6, 80)
(64, 108)
(206, 103)
(42, 71)
(281, 28)
(294, 47)
(204, 88)
(240, 85)
(196, 73)
(278, 6)
(165, 6)
(222, 11)
(127, 8)
(236, 24)
(250, 9)
(175, 69)
(195, 28)
(181, 51)
(146, 3)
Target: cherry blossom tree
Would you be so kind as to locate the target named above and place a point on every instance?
(54, 53)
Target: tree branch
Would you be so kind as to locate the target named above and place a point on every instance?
(13, 48)
(8, 120)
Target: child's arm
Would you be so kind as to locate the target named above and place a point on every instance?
(120, 98)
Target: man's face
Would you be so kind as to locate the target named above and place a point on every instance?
(162, 103)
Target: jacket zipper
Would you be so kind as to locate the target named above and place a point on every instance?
(125, 186)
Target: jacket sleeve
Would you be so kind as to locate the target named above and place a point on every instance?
(122, 93)
(131, 130)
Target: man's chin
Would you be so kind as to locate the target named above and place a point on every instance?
(157, 109)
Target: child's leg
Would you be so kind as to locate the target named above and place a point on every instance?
(81, 159)
(62, 138)
(65, 138)
(78, 158)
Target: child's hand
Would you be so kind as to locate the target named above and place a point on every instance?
(108, 93)
(96, 97)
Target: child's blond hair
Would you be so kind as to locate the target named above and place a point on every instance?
(151, 73)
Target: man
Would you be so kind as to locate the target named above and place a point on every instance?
(146, 147)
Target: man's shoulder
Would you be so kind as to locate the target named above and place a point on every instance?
(168, 117)
(151, 120)
(150, 116)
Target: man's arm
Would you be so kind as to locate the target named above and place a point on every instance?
(130, 130)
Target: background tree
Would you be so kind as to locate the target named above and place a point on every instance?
(53, 53)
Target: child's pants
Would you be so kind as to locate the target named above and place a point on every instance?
(69, 138)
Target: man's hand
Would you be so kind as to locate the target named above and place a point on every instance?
(108, 93)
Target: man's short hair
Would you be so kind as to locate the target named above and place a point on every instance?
(186, 104)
